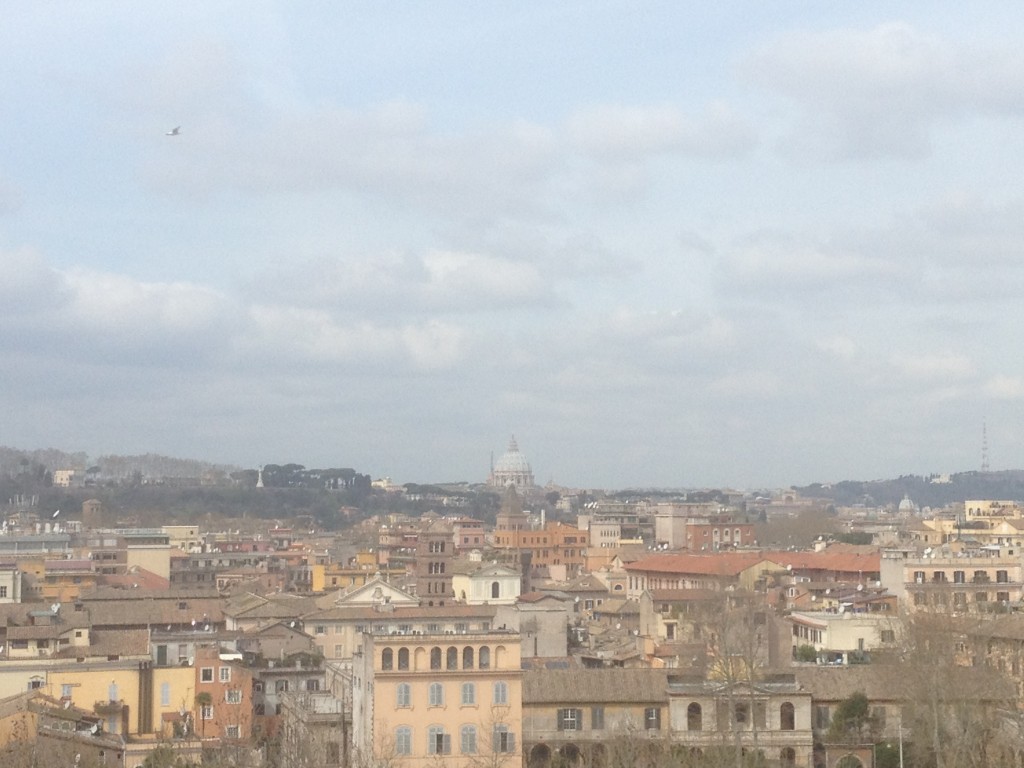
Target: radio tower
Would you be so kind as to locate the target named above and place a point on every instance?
(984, 447)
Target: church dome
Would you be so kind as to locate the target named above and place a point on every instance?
(512, 469)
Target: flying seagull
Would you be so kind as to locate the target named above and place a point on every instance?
(175, 131)
(55, 513)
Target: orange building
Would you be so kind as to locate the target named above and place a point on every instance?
(556, 544)
(223, 700)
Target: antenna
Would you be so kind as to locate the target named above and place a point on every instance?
(984, 447)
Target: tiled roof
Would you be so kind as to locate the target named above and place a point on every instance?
(583, 686)
(129, 610)
(719, 564)
(876, 682)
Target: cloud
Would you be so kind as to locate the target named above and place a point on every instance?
(1003, 387)
(880, 91)
(442, 281)
(943, 366)
(773, 261)
(617, 132)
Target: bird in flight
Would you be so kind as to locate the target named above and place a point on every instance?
(175, 131)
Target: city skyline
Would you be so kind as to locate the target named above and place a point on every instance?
(665, 245)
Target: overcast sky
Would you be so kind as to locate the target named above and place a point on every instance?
(672, 244)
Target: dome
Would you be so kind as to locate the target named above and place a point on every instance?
(512, 469)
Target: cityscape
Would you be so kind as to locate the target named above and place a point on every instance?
(619, 384)
(501, 622)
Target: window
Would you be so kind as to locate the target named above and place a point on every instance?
(597, 718)
(35, 682)
(3, 591)
(878, 715)
(404, 695)
(233, 732)
(958, 577)
(165, 694)
(233, 696)
(386, 659)
(435, 658)
(65, 691)
(1002, 577)
(206, 712)
(403, 658)
(281, 686)
(787, 717)
(888, 635)
(569, 720)
(485, 658)
(468, 694)
(694, 717)
(313, 684)
(438, 742)
(652, 718)
(822, 717)
(741, 713)
(468, 739)
(500, 693)
(436, 695)
(467, 657)
(321, 629)
(206, 675)
(504, 741)
(225, 674)
(112, 692)
(495, 590)
(452, 659)
(403, 740)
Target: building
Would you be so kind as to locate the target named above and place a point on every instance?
(573, 717)
(511, 469)
(457, 698)
(435, 556)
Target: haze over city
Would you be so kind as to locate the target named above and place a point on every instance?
(665, 244)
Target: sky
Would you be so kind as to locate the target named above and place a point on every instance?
(676, 244)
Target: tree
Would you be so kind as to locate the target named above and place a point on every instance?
(852, 722)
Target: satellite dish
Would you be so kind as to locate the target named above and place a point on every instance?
(193, 622)
(636, 632)
(814, 598)
(860, 587)
(618, 626)
(95, 728)
(67, 703)
(828, 591)
(54, 608)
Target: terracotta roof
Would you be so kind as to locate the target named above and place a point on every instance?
(583, 686)
(876, 682)
(129, 610)
(718, 564)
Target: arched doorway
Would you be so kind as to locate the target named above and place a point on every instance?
(540, 756)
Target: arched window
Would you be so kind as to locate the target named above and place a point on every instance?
(467, 657)
(435, 658)
(452, 661)
(694, 717)
(403, 658)
(485, 657)
(386, 659)
(403, 696)
(787, 717)
(787, 757)
(468, 694)
(495, 590)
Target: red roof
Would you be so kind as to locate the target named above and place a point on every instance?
(717, 564)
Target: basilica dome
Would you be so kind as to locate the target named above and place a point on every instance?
(511, 469)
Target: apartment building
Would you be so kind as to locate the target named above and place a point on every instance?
(454, 698)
